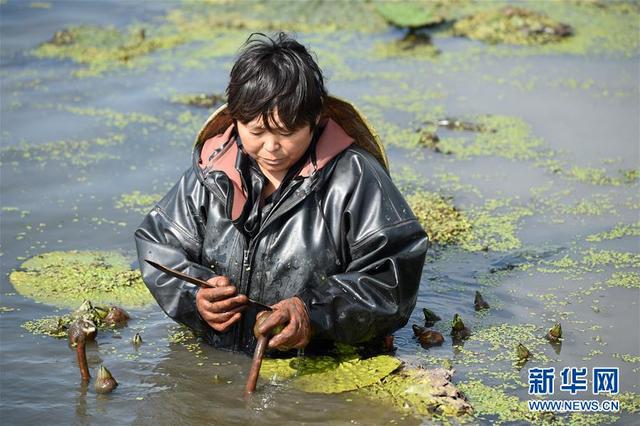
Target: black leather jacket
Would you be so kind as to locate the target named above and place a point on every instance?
(343, 239)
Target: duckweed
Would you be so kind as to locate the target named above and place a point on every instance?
(624, 279)
(68, 278)
(600, 177)
(507, 137)
(202, 100)
(102, 48)
(57, 325)
(494, 226)
(621, 230)
(325, 374)
(439, 217)
(492, 401)
(54, 326)
(137, 202)
(512, 25)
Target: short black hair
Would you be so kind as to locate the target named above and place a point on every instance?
(276, 73)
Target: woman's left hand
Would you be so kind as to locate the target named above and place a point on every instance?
(292, 315)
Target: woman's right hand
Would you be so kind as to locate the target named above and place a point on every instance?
(220, 305)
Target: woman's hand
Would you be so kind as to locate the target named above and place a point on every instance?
(292, 314)
(220, 305)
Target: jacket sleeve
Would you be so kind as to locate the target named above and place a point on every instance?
(171, 234)
(384, 247)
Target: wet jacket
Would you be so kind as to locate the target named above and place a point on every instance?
(340, 237)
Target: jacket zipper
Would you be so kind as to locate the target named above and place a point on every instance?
(246, 271)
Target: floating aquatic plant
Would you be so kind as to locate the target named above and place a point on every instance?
(512, 25)
(137, 202)
(68, 278)
(442, 221)
(201, 100)
(326, 374)
(410, 15)
(421, 392)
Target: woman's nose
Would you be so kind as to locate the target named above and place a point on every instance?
(271, 144)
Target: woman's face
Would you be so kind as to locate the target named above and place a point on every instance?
(274, 152)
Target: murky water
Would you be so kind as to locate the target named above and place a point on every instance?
(58, 194)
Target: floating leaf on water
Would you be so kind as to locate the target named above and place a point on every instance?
(409, 15)
(512, 25)
(325, 374)
(69, 278)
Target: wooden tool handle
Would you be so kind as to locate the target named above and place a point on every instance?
(258, 354)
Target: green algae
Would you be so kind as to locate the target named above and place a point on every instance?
(58, 325)
(494, 226)
(498, 342)
(81, 153)
(103, 48)
(630, 402)
(443, 223)
(635, 359)
(624, 279)
(111, 117)
(137, 202)
(512, 25)
(421, 392)
(186, 338)
(326, 374)
(493, 401)
(620, 230)
(54, 326)
(594, 205)
(68, 278)
(599, 176)
(507, 137)
(201, 100)
(594, 260)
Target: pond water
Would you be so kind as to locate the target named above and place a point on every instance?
(560, 171)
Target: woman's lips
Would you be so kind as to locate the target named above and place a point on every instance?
(272, 162)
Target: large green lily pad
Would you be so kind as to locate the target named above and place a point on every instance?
(68, 278)
(325, 374)
(409, 15)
